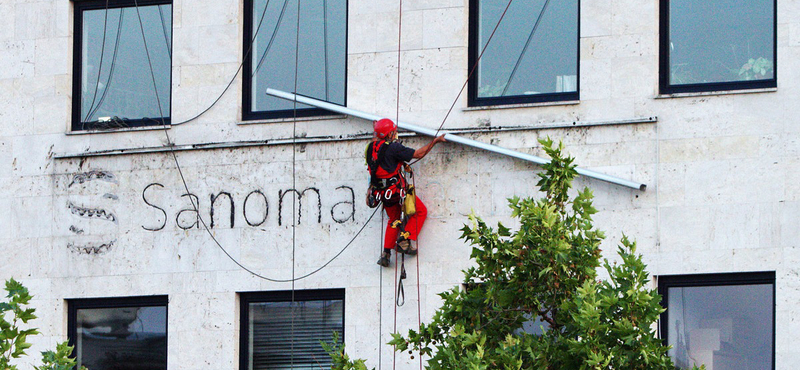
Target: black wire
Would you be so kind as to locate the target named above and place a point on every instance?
(164, 27)
(472, 70)
(527, 43)
(102, 54)
(196, 209)
(113, 67)
(271, 39)
(325, 44)
(294, 167)
(238, 70)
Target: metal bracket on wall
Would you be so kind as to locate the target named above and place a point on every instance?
(451, 137)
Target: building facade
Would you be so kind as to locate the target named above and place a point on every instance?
(159, 204)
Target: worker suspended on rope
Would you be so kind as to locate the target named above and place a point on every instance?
(387, 163)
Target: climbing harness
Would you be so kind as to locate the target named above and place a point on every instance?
(385, 185)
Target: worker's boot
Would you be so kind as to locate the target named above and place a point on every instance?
(406, 246)
(385, 256)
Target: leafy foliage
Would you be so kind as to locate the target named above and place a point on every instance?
(545, 270)
(756, 69)
(13, 339)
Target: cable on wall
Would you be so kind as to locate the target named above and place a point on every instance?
(171, 145)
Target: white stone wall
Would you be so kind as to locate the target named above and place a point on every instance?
(722, 172)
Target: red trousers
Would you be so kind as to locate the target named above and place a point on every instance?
(413, 226)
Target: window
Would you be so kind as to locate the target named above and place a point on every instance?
(717, 45)
(321, 51)
(278, 332)
(725, 321)
(113, 86)
(116, 333)
(533, 56)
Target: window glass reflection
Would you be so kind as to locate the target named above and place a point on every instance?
(321, 51)
(724, 327)
(522, 61)
(720, 41)
(115, 72)
(131, 338)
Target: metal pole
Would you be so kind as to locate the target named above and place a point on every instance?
(450, 137)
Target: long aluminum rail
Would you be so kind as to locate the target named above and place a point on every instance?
(450, 137)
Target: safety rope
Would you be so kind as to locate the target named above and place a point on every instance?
(419, 298)
(397, 119)
(294, 174)
(380, 304)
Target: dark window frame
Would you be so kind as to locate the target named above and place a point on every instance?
(247, 65)
(73, 305)
(245, 298)
(710, 280)
(666, 88)
(77, 66)
(472, 86)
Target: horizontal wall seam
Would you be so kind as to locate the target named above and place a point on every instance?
(343, 138)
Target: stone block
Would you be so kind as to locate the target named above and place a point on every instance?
(735, 226)
(18, 57)
(35, 20)
(596, 76)
(7, 21)
(685, 228)
(644, 22)
(759, 259)
(204, 13)
(444, 28)
(52, 56)
(596, 18)
(633, 77)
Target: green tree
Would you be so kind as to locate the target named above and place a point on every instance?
(545, 270)
(13, 339)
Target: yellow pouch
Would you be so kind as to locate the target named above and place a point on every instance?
(410, 203)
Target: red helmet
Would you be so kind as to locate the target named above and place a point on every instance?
(384, 127)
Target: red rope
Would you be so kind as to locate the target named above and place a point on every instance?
(394, 352)
(397, 119)
(419, 298)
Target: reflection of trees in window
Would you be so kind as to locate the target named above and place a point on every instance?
(724, 321)
(717, 42)
(114, 86)
(533, 55)
(320, 49)
(116, 334)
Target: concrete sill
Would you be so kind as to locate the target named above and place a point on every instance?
(715, 93)
(118, 130)
(525, 105)
(291, 119)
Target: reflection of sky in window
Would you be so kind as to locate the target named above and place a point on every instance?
(123, 321)
(321, 65)
(550, 64)
(123, 85)
(729, 325)
(711, 41)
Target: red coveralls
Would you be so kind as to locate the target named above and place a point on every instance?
(393, 206)
(413, 226)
